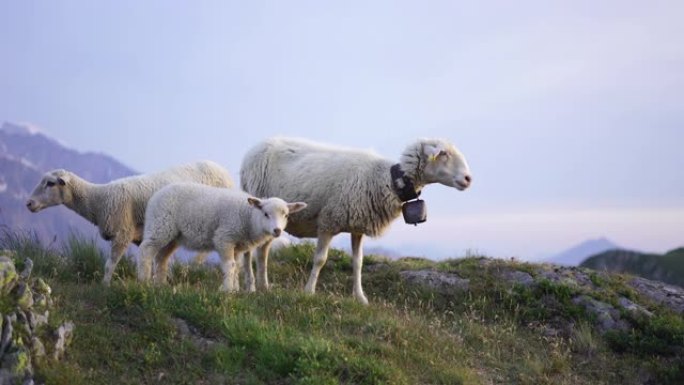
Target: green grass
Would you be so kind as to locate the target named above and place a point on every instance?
(491, 334)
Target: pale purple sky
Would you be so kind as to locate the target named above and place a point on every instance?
(570, 113)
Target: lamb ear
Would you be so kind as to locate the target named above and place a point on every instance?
(256, 202)
(296, 206)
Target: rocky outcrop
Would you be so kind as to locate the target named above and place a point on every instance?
(441, 282)
(26, 338)
(668, 295)
(588, 289)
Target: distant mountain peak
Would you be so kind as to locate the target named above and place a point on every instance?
(21, 128)
(578, 253)
(24, 129)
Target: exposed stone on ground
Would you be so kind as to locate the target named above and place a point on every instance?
(633, 307)
(26, 337)
(607, 316)
(659, 292)
(518, 277)
(187, 331)
(441, 282)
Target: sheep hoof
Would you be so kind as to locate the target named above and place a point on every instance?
(361, 298)
(309, 289)
(264, 287)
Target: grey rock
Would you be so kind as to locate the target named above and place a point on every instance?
(607, 317)
(18, 363)
(41, 287)
(40, 301)
(441, 282)
(8, 274)
(37, 348)
(187, 331)
(560, 276)
(633, 307)
(376, 267)
(24, 296)
(7, 331)
(22, 323)
(6, 377)
(36, 320)
(28, 268)
(518, 277)
(64, 333)
(667, 295)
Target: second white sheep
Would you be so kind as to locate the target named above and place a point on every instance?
(206, 218)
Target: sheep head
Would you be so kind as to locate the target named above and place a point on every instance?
(273, 213)
(50, 191)
(436, 161)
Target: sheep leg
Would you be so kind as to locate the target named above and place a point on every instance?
(319, 260)
(147, 251)
(228, 267)
(357, 263)
(262, 265)
(236, 272)
(117, 250)
(162, 262)
(248, 272)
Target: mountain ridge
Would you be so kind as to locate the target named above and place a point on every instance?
(574, 255)
(668, 267)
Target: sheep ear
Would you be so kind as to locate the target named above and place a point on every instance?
(434, 152)
(296, 206)
(254, 202)
(61, 182)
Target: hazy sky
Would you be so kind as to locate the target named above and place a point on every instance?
(571, 114)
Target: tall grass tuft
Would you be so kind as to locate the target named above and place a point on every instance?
(26, 244)
(78, 260)
(84, 259)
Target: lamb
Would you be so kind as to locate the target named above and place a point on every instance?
(117, 208)
(207, 218)
(347, 190)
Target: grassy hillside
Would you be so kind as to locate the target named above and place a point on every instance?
(493, 332)
(668, 267)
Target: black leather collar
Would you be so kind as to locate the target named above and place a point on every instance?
(402, 185)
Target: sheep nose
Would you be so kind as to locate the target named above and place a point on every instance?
(468, 179)
(29, 204)
(277, 232)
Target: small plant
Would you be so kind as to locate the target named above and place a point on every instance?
(85, 261)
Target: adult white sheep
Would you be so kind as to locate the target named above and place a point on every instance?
(207, 218)
(117, 208)
(347, 190)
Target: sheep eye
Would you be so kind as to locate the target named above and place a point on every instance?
(266, 215)
(49, 183)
